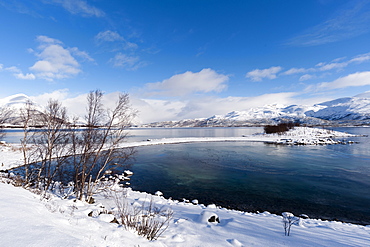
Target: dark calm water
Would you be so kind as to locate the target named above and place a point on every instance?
(328, 182)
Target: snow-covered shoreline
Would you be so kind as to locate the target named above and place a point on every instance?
(32, 220)
(29, 219)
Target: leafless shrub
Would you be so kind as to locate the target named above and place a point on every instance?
(288, 220)
(148, 220)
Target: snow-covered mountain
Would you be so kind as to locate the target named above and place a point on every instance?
(342, 111)
(15, 104)
(353, 108)
(16, 101)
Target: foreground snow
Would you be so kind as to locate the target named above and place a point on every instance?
(29, 220)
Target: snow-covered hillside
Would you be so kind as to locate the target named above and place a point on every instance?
(344, 111)
(16, 101)
(349, 110)
(353, 108)
(15, 104)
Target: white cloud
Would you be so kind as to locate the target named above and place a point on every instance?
(203, 107)
(360, 58)
(129, 46)
(76, 104)
(45, 40)
(330, 66)
(127, 62)
(114, 37)
(295, 71)
(55, 61)
(109, 36)
(353, 80)
(259, 74)
(28, 76)
(13, 69)
(323, 66)
(43, 99)
(80, 7)
(153, 110)
(84, 55)
(207, 80)
(306, 77)
(17, 72)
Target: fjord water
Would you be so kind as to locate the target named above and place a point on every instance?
(327, 182)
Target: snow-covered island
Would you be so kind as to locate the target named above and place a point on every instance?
(309, 136)
(31, 219)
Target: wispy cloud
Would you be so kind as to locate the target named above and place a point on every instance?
(259, 74)
(317, 71)
(116, 43)
(108, 36)
(115, 37)
(204, 81)
(204, 106)
(28, 76)
(344, 24)
(17, 73)
(56, 61)
(127, 62)
(293, 71)
(79, 7)
(12, 69)
(22, 7)
(352, 80)
(306, 77)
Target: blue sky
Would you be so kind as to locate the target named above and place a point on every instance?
(185, 58)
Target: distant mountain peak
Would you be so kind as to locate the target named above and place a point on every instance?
(15, 101)
(363, 95)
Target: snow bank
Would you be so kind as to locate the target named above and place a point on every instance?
(29, 220)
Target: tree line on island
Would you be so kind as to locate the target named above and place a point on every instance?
(280, 128)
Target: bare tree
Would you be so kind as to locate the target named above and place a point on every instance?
(52, 142)
(5, 115)
(96, 148)
(28, 150)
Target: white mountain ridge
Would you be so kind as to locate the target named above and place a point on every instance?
(342, 109)
(16, 101)
(349, 108)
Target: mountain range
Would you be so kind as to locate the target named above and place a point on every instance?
(343, 111)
